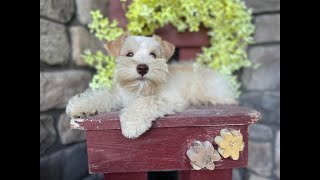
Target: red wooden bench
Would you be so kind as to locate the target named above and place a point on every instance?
(164, 146)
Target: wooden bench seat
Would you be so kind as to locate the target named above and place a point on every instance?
(164, 146)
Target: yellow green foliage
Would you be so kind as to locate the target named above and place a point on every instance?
(104, 65)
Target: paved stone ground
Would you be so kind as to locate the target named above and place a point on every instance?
(64, 36)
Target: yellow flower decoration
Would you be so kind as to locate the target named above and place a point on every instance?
(230, 143)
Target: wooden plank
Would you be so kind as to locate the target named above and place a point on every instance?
(219, 115)
(188, 53)
(126, 176)
(159, 149)
(116, 12)
(219, 174)
(184, 39)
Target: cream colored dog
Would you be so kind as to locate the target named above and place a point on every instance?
(145, 90)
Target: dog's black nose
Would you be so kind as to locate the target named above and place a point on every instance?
(142, 69)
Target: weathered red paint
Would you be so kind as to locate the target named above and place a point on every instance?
(126, 176)
(116, 12)
(219, 115)
(163, 147)
(184, 39)
(218, 174)
(188, 53)
(159, 149)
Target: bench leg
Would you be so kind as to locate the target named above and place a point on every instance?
(126, 176)
(220, 174)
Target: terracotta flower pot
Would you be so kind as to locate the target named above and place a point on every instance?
(188, 44)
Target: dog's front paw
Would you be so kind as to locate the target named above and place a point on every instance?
(132, 127)
(134, 130)
(78, 107)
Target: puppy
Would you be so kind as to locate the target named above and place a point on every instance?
(145, 90)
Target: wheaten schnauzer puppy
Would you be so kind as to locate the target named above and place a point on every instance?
(145, 90)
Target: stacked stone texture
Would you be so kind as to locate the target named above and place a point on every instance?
(63, 38)
(261, 91)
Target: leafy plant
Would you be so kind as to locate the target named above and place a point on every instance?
(228, 22)
(104, 64)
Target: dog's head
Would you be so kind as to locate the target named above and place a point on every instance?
(141, 62)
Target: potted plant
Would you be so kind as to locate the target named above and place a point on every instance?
(215, 33)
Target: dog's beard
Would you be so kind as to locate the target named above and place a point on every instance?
(127, 76)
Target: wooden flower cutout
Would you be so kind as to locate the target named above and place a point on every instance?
(230, 143)
(202, 155)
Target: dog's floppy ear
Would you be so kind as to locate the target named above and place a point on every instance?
(166, 47)
(114, 47)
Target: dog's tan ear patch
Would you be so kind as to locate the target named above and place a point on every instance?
(157, 38)
(114, 47)
(167, 47)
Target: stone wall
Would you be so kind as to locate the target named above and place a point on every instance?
(261, 91)
(64, 36)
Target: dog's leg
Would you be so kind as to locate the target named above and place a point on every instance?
(91, 102)
(138, 116)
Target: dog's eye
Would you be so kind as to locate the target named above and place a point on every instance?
(130, 54)
(153, 55)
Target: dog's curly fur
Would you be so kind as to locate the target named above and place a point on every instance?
(144, 98)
